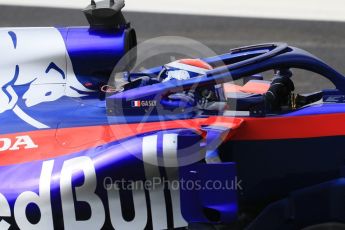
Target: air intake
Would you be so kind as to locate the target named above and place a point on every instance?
(106, 14)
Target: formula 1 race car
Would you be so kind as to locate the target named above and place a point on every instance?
(181, 145)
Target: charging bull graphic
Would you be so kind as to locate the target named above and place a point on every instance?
(38, 59)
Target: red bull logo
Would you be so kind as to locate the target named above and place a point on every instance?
(34, 60)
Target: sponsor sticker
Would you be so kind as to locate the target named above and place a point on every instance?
(17, 143)
(137, 104)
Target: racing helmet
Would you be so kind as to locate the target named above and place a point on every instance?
(184, 69)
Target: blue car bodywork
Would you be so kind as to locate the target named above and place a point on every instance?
(73, 156)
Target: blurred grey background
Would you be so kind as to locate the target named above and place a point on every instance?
(324, 39)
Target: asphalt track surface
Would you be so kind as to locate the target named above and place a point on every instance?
(324, 39)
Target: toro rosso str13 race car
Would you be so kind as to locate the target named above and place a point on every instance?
(79, 150)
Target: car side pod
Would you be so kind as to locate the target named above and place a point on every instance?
(319, 204)
(209, 193)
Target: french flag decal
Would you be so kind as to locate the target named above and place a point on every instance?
(136, 104)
